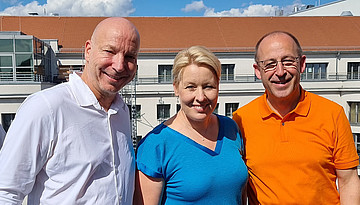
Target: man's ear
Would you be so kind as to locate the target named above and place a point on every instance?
(302, 63)
(87, 50)
(257, 70)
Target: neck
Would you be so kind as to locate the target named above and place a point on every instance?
(105, 102)
(282, 106)
(199, 126)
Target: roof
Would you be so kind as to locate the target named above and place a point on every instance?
(170, 34)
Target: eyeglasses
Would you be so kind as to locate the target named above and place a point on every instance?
(288, 62)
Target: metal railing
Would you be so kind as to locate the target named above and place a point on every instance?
(21, 76)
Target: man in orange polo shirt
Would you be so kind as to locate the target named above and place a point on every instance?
(297, 143)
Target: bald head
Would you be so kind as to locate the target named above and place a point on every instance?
(277, 33)
(118, 25)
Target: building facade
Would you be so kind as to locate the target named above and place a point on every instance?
(331, 44)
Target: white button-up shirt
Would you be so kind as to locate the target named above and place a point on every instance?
(64, 148)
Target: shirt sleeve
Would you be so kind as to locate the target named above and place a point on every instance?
(25, 149)
(149, 156)
(345, 154)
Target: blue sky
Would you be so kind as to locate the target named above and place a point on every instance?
(153, 7)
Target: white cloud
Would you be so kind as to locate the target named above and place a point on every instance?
(194, 6)
(252, 10)
(74, 8)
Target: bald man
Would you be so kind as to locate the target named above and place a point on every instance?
(71, 144)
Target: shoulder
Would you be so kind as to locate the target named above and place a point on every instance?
(44, 101)
(156, 136)
(321, 103)
(226, 121)
(249, 110)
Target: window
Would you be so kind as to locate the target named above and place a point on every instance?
(24, 67)
(6, 120)
(164, 73)
(216, 110)
(230, 108)
(178, 107)
(314, 71)
(6, 70)
(227, 72)
(137, 111)
(163, 111)
(6, 45)
(354, 117)
(357, 142)
(23, 45)
(353, 71)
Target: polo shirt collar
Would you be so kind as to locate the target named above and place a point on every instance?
(301, 109)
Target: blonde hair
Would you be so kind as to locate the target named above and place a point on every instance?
(197, 55)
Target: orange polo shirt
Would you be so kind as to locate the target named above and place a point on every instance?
(293, 160)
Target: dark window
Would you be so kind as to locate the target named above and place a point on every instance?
(6, 119)
(227, 72)
(230, 108)
(314, 71)
(165, 73)
(353, 71)
(163, 111)
(354, 116)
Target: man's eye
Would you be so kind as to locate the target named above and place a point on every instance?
(109, 51)
(270, 64)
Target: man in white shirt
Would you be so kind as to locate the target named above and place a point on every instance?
(71, 144)
(2, 135)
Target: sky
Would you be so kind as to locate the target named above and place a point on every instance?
(153, 8)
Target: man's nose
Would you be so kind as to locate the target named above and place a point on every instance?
(279, 70)
(118, 62)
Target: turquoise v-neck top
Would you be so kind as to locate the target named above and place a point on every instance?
(194, 174)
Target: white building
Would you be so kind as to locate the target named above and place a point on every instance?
(336, 8)
(332, 46)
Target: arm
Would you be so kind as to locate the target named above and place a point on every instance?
(147, 189)
(24, 151)
(349, 186)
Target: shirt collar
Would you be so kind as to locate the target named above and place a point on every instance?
(85, 97)
(301, 109)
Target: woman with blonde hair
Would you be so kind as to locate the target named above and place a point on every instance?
(195, 156)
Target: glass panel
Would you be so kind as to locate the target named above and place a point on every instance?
(227, 71)
(358, 113)
(316, 71)
(24, 74)
(356, 72)
(323, 71)
(6, 45)
(352, 112)
(164, 73)
(5, 61)
(358, 148)
(309, 69)
(23, 45)
(23, 59)
(216, 110)
(163, 111)
(6, 74)
(7, 120)
(230, 108)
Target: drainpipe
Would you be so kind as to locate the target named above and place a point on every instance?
(337, 65)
